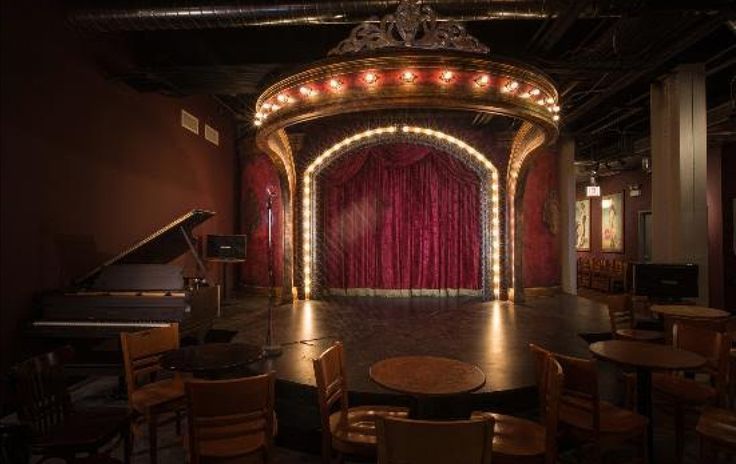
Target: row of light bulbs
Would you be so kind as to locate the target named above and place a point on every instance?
(370, 78)
(307, 224)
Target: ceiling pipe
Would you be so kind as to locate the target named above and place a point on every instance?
(185, 15)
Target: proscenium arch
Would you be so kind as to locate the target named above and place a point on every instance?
(490, 205)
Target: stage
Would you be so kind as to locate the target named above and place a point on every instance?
(492, 335)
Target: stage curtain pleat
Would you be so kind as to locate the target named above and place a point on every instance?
(400, 216)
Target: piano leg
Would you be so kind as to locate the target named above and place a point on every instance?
(127, 445)
(153, 438)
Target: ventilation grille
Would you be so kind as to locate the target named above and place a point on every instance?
(211, 135)
(189, 122)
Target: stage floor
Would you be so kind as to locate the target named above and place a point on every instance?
(492, 335)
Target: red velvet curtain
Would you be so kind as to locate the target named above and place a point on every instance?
(401, 216)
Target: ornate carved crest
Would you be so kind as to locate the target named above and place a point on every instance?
(412, 26)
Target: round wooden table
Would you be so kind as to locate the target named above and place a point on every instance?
(429, 380)
(211, 360)
(689, 312)
(645, 358)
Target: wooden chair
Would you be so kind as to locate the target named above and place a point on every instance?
(686, 393)
(600, 274)
(623, 323)
(150, 396)
(57, 428)
(589, 419)
(521, 441)
(717, 433)
(348, 430)
(406, 441)
(584, 272)
(617, 276)
(231, 419)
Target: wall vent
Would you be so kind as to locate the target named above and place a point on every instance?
(211, 135)
(189, 122)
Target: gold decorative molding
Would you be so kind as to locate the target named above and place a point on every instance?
(412, 26)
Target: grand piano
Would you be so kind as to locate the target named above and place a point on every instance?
(135, 290)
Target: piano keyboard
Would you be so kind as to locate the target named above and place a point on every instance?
(142, 325)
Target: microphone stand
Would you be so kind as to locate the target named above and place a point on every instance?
(270, 349)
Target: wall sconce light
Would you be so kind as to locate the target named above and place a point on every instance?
(646, 164)
(634, 190)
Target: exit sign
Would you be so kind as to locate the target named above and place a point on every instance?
(593, 191)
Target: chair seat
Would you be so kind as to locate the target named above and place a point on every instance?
(719, 425)
(85, 429)
(640, 335)
(157, 395)
(682, 389)
(357, 435)
(514, 437)
(613, 420)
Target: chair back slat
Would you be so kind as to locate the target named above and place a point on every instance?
(230, 410)
(713, 345)
(580, 388)
(540, 369)
(553, 396)
(330, 376)
(402, 441)
(620, 312)
(142, 351)
(43, 398)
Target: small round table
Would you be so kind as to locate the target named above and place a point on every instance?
(645, 358)
(672, 313)
(689, 312)
(211, 360)
(428, 379)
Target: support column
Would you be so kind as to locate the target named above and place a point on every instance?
(679, 167)
(568, 239)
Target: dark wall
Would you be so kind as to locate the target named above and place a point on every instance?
(89, 165)
(541, 254)
(632, 207)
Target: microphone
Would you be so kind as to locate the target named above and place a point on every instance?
(270, 191)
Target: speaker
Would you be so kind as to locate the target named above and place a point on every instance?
(226, 247)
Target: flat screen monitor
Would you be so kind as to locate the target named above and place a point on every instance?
(665, 281)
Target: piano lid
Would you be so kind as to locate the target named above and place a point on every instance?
(160, 247)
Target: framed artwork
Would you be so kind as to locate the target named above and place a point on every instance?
(582, 225)
(612, 223)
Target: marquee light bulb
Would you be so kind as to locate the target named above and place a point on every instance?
(335, 84)
(267, 106)
(307, 91)
(370, 78)
(408, 77)
(482, 80)
(258, 123)
(556, 117)
(550, 100)
(282, 98)
(447, 75)
(556, 108)
(534, 92)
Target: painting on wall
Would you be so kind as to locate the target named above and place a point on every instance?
(612, 223)
(582, 225)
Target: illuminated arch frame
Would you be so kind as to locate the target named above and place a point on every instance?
(491, 242)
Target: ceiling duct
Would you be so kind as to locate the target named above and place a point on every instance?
(185, 15)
